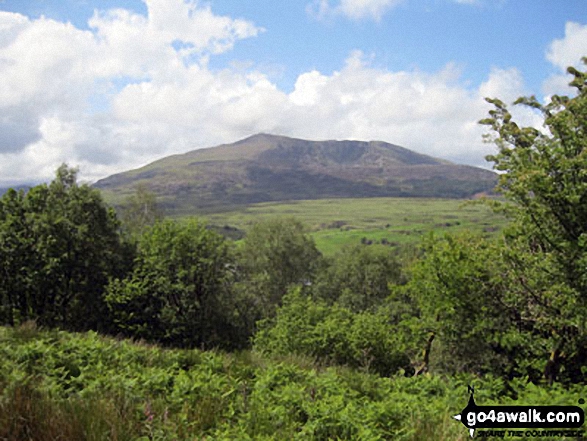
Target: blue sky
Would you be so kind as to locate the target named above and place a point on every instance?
(112, 84)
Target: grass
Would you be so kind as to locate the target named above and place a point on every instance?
(396, 221)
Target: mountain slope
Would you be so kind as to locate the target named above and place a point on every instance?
(265, 168)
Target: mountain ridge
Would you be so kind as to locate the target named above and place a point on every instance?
(265, 167)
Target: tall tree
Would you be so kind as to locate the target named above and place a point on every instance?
(359, 277)
(140, 211)
(544, 179)
(465, 317)
(275, 255)
(17, 259)
(62, 244)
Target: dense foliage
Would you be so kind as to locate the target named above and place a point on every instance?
(463, 295)
(139, 212)
(88, 387)
(333, 335)
(358, 277)
(545, 183)
(59, 245)
(276, 255)
(178, 292)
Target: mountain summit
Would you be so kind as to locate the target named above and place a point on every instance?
(265, 168)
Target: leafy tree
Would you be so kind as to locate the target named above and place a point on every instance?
(463, 295)
(140, 211)
(359, 277)
(275, 255)
(17, 259)
(544, 179)
(178, 292)
(60, 244)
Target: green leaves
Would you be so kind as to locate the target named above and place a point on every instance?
(139, 212)
(90, 387)
(545, 183)
(358, 277)
(178, 292)
(460, 287)
(275, 255)
(332, 334)
(59, 244)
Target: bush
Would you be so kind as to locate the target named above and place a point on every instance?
(332, 335)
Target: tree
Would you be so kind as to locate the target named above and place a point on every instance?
(275, 255)
(17, 259)
(140, 211)
(359, 277)
(544, 179)
(60, 244)
(465, 316)
(178, 292)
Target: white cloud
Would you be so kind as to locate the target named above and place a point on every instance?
(505, 84)
(160, 98)
(563, 53)
(51, 71)
(431, 113)
(569, 50)
(307, 88)
(352, 9)
(189, 22)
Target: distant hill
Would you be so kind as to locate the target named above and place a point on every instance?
(265, 168)
(16, 187)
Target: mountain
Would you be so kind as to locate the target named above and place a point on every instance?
(265, 168)
(15, 187)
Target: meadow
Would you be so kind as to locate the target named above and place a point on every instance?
(334, 223)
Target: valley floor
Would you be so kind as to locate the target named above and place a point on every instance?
(389, 221)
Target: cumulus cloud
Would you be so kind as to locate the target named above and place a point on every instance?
(352, 9)
(563, 53)
(135, 88)
(432, 113)
(51, 72)
(569, 50)
(505, 84)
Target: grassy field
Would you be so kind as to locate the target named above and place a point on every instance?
(337, 222)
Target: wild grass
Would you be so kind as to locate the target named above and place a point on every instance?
(60, 386)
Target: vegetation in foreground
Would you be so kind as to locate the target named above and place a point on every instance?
(510, 310)
(58, 385)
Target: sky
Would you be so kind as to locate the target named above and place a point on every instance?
(111, 85)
